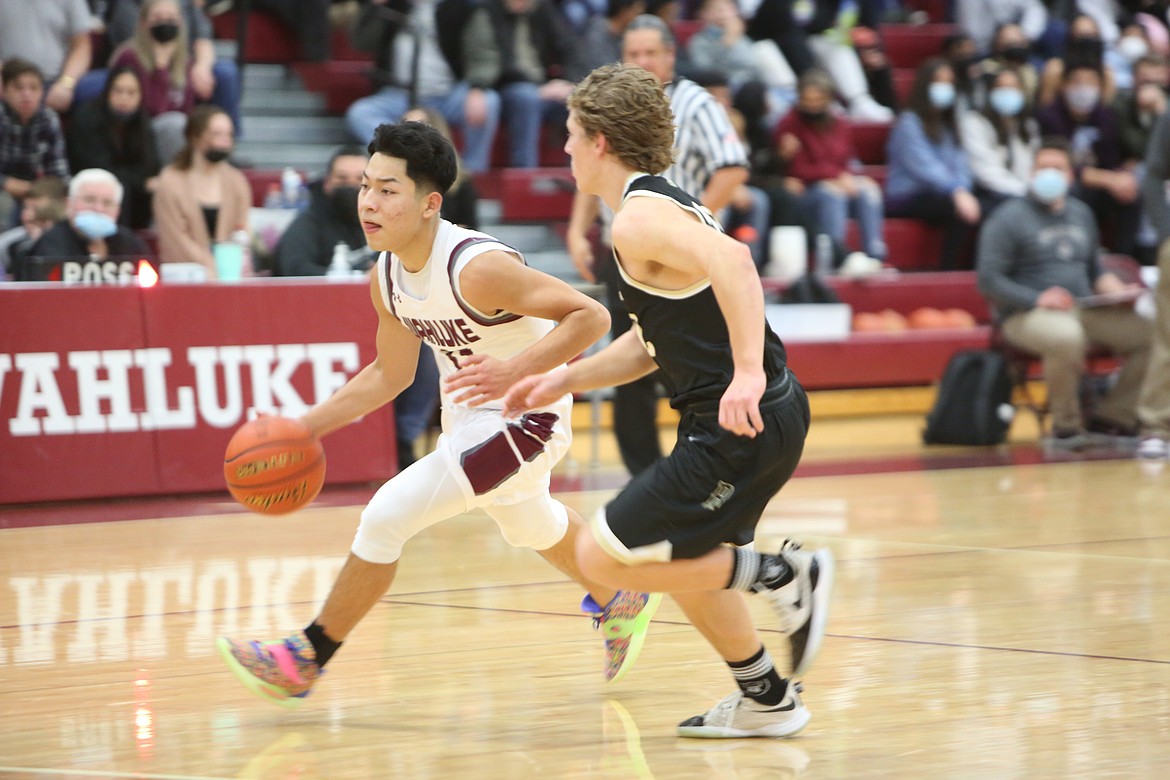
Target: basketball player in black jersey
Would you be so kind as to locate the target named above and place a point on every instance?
(698, 314)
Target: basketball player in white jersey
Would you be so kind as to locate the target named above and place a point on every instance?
(490, 320)
(683, 525)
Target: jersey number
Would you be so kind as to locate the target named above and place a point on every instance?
(451, 355)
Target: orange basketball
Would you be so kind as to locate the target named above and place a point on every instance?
(274, 465)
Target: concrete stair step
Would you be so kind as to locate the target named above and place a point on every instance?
(311, 158)
(298, 130)
(526, 238)
(281, 102)
(554, 263)
(266, 76)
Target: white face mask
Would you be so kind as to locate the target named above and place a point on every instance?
(1132, 48)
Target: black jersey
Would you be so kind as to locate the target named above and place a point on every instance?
(684, 330)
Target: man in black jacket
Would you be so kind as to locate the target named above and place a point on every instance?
(331, 218)
(89, 245)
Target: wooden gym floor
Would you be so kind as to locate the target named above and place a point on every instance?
(998, 614)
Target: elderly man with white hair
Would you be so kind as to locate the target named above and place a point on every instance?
(90, 229)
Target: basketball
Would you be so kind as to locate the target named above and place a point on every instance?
(274, 465)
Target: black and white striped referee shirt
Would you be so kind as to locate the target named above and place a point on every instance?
(703, 136)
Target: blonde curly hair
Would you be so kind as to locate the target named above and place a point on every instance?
(628, 106)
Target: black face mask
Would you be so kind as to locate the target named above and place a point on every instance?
(1086, 47)
(214, 155)
(816, 117)
(1016, 54)
(344, 203)
(164, 32)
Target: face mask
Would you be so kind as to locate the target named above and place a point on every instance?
(1132, 48)
(1082, 99)
(344, 202)
(1087, 49)
(1016, 54)
(164, 32)
(1049, 185)
(94, 225)
(117, 113)
(214, 155)
(942, 95)
(813, 116)
(1006, 101)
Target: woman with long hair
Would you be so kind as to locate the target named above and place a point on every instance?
(929, 177)
(201, 199)
(158, 53)
(113, 132)
(1001, 140)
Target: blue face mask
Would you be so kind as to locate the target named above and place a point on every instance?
(1049, 185)
(1006, 101)
(94, 225)
(942, 95)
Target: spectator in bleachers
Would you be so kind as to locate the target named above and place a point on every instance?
(309, 19)
(819, 151)
(1154, 414)
(113, 132)
(43, 207)
(31, 142)
(521, 49)
(214, 79)
(1083, 48)
(1001, 141)
(158, 53)
(963, 56)
(819, 33)
(53, 36)
(1127, 51)
(461, 201)
(601, 39)
(388, 32)
(331, 218)
(879, 75)
(201, 199)
(1010, 49)
(1110, 188)
(980, 18)
(1038, 259)
(1139, 107)
(929, 177)
(91, 227)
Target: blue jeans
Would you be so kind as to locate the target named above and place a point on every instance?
(390, 103)
(525, 112)
(832, 210)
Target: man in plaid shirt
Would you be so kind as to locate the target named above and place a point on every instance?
(31, 142)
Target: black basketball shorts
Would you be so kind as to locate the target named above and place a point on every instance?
(711, 489)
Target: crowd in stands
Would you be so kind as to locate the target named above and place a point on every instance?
(134, 89)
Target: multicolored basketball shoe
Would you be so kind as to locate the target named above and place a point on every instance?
(281, 672)
(623, 622)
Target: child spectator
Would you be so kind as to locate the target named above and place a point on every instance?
(158, 53)
(819, 151)
(929, 177)
(113, 132)
(43, 207)
(31, 142)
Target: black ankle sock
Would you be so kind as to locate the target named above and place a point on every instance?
(753, 571)
(758, 678)
(323, 646)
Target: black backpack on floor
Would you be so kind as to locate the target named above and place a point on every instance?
(974, 403)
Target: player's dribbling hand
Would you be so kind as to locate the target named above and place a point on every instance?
(739, 408)
(532, 391)
(480, 379)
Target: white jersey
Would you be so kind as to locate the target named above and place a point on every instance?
(437, 312)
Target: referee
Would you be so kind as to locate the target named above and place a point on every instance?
(710, 165)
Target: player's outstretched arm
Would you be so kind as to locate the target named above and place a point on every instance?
(650, 230)
(379, 382)
(496, 282)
